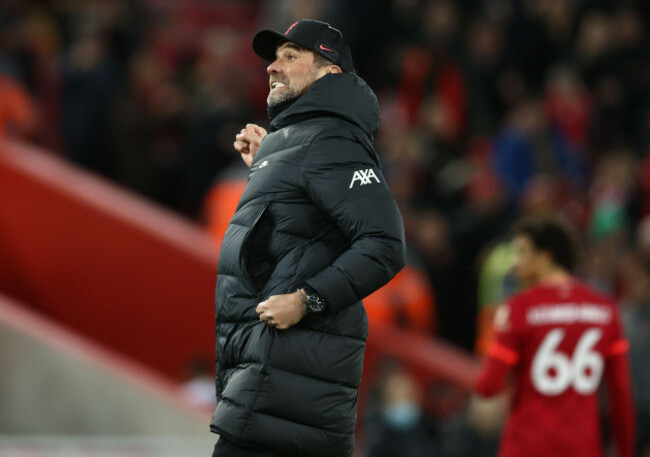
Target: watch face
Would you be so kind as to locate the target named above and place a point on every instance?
(316, 303)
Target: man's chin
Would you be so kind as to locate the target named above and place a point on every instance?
(272, 101)
(275, 99)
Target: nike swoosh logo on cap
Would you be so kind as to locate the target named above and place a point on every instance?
(323, 48)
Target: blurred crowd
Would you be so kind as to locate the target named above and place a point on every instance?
(491, 110)
(412, 417)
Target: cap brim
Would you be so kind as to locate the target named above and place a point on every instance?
(265, 42)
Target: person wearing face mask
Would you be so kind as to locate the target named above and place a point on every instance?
(400, 427)
(316, 230)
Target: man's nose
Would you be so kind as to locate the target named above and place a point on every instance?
(274, 68)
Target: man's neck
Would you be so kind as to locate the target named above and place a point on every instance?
(554, 276)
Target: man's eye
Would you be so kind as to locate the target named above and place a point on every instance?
(291, 57)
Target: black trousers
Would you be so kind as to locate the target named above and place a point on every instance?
(225, 448)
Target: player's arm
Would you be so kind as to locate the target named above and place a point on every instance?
(500, 357)
(619, 393)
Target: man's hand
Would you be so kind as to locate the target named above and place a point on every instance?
(282, 311)
(247, 142)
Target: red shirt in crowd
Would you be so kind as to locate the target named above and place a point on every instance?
(17, 112)
(560, 340)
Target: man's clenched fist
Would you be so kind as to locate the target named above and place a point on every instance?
(247, 142)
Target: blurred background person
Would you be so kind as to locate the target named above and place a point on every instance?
(636, 317)
(559, 339)
(17, 111)
(399, 427)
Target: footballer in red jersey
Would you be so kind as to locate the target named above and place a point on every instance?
(559, 339)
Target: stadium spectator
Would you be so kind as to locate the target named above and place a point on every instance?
(559, 338)
(496, 284)
(636, 316)
(90, 80)
(198, 389)
(407, 302)
(454, 293)
(568, 106)
(17, 111)
(400, 427)
(221, 201)
(528, 145)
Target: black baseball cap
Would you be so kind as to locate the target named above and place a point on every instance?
(317, 36)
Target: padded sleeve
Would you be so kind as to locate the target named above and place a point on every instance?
(344, 181)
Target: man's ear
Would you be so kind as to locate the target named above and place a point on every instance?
(335, 69)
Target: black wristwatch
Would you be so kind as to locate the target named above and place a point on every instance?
(313, 302)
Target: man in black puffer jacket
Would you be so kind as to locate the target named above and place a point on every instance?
(316, 230)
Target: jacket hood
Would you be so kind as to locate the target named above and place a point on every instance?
(343, 95)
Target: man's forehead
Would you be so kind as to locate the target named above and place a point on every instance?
(289, 45)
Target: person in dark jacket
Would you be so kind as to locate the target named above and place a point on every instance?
(316, 230)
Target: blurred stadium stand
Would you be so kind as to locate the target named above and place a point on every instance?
(111, 301)
(426, 358)
(111, 446)
(59, 383)
(127, 274)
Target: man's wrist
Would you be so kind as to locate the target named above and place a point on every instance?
(311, 300)
(301, 303)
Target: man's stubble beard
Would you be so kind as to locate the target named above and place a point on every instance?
(291, 92)
(274, 99)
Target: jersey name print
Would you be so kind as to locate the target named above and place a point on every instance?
(569, 313)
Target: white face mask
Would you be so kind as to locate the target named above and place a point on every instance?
(402, 415)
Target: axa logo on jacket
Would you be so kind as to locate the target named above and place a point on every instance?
(364, 177)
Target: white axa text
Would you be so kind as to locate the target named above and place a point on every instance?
(364, 177)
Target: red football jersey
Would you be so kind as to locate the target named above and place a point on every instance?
(558, 340)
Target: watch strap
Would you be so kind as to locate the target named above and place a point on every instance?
(303, 299)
